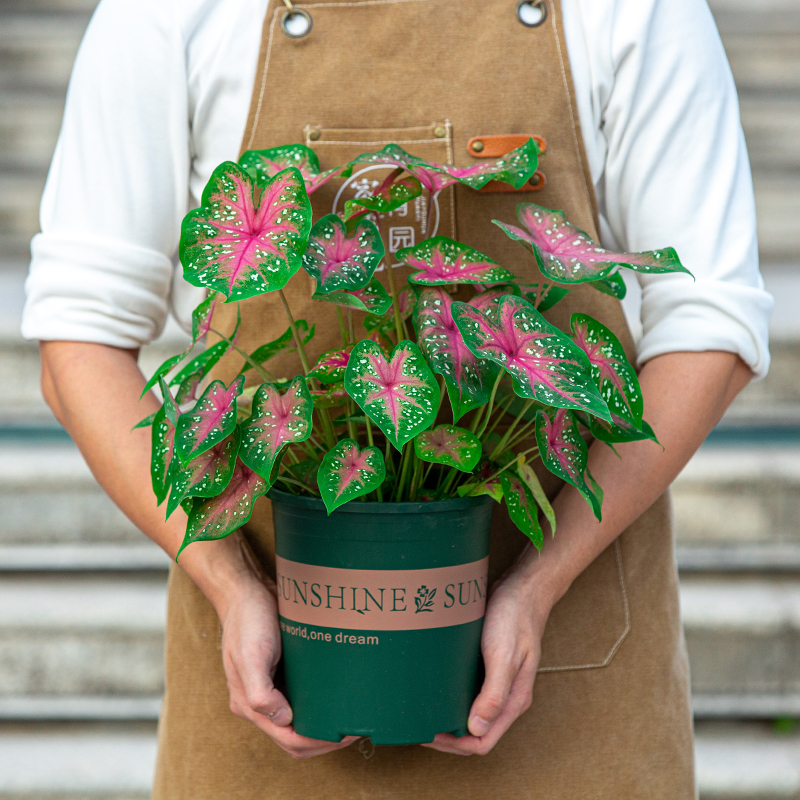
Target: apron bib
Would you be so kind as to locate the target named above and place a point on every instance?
(611, 714)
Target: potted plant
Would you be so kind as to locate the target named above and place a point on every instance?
(383, 456)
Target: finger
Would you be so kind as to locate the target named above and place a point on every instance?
(519, 700)
(261, 695)
(501, 670)
(297, 746)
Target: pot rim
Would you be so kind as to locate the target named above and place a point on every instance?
(372, 507)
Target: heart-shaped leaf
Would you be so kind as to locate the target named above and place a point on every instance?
(618, 431)
(385, 199)
(347, 472)
(449, 445)
(162, 441)
(522, 506)
(277, 420)
(372, 298)
(567, 254)
(429, 175)
(338, 260)
(218, 517)
(212, 419)
(565, 453)
(546, 365)
(488, 302)
(245, 240)
(207, 475)
(439, 261)
(265, 164)
(331, 366)
(612, 373)
(468, 379)
(399, 394)
(516, 168)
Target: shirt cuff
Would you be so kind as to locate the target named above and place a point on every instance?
(679, 314)
(112, 293)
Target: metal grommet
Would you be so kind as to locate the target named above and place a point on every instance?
(440, 132)
(314, 134)
(531, 13)
(296, 23)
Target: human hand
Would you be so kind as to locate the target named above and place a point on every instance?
(511, 647)
(251, 649)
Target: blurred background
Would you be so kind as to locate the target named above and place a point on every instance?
(82, 593)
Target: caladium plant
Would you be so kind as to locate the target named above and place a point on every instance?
(366, 420)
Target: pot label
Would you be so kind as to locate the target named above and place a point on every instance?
(382, 600)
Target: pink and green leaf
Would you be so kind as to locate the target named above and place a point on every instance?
(612, 372)
(338, 260)
(429, 175)
(246, 239)
(201, 317)
(276, 421)
(331, 366)
(565, 453)
(207, 475)
(567, 254)
(386, 199)
(522, 506)
(265, 164)
(211, 420)
(218, 517)
(443, 261)
(468, 379)
(618, 431)
(545, 364)
(372, 298)
(399, 394)
(515, 168)
(449, 445)
(348, 472)
(488, 301)
(331, 396)
(492, 488)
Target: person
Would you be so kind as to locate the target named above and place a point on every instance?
(645, 118)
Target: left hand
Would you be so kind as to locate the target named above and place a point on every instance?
(511, 647)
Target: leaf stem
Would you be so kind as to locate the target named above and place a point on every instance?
(350, 325)
(510, 464)
(257, 367)
(488, 408)
(398, 320)
(501, 445)
(371, 442)
(345, 340)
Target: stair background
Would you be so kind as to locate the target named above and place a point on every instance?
(82, 593)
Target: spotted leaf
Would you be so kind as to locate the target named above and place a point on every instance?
(218, 517)
(162, 441)
(277, 420)
(338, 260)
(612, 373)
(265, 164)
(565, 453)
(467, 378)
(567, 254)
(399, 394)
(347, 472)
(522, 506)
(212, 419)
(385, 199)
(331, 396)
(372, 298)
(449, 445)
(331, 366)
(488, 301)
(440, 261)
(618, 431)
(245, 240)
(515, 168)
(207, 474)
(546, 365)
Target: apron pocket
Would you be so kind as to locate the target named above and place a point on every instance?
(587, 626)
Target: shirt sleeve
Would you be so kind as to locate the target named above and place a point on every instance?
(677, 174)
(102, 266)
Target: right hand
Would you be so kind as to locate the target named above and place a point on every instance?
(251, 649)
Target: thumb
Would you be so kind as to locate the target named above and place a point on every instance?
(262, 696)
(491, 701)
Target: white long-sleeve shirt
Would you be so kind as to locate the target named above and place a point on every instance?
(159, 97)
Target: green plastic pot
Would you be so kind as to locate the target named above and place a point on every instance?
(381, 610)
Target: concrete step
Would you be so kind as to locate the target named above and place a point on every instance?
(116, 762)
(77, 761)
(764, 62)
(29, 126)
(81, 637)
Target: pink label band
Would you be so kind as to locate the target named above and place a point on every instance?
(382, 600)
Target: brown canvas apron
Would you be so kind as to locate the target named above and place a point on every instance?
(611, 714)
